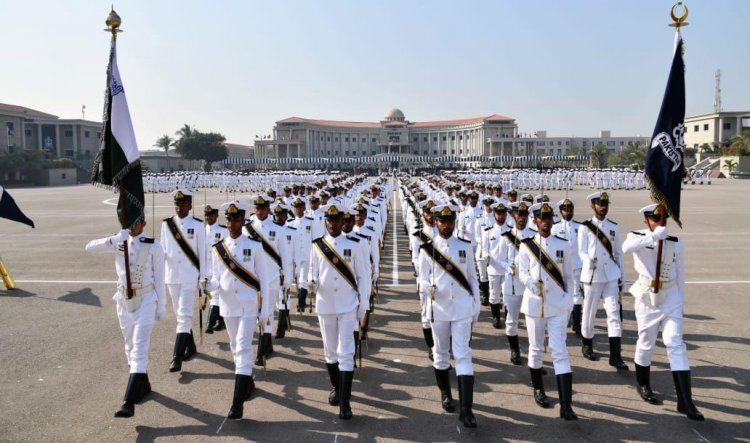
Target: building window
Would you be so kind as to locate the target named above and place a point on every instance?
(372, 152)
(559, 143)
(321, 138)
(328, 139)
(567, 143)
(416, 139)
(87, 134)
(354, 139)
(346, 152)
(28, 132)
(460, 137)
(453, 137)
(98, 135)
(727, 126)
(335, 139)
(434, 139)
(373, 139)
(329, 152)
(444, 138)
(335, 152)
(705, 127)
(434, 152)
(424, 139)
(346, 139)
(695, 128)
(69, 133)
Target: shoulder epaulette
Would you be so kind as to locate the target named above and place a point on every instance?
(638, 233)
(363, 235)
(214, 245)
(167, 219)
(223, 226)
(559, 221)
(309, 218)
(291, 227)
(424, 244)
(611, 222)
(353, 238)
(489, 229)
(671, 238)
(197, 219)
(463, 240)
(576, 221)
(316, 239)
(147, 240)
(561, 238)
(371, 218)
(370, 228)
(527, 239)
(253, 239)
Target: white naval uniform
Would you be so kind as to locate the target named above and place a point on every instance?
(181, 276)
(550, 309)
(490, 260)
(273, 234)
(214, 234)
(666, 315)
(372, 250)
(238, 302)
(600, 280)
(431, 232)
(339, 306)
(512, 285)
(136, 326)
(290, 242)
(569, 231)
(304, 236)
(454, 309)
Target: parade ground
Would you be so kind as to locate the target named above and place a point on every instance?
(64, 372)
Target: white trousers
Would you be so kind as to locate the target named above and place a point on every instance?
(575, 285)
(592, 294)
(274, 287)
(424, 308)
(338, 339)
(240, 330)
(442, 331)
(183, 297)
(513, 306)
(650, 321)
(555, 327)
(214, 300)
(496, 288)
(136, 330)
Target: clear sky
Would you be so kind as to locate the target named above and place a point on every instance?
(570, 67)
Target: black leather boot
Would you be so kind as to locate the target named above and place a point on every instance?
(179, 352)
(213, 319)
(133, 394)
(281, 325)
(301, 300)
(220, 326)
(260, 356)
(683, 388)
(241, 383)
(345, 391)
(442, 376)
(538, 383)
(576, 316)
(466, 400)
(565, 395)
(335, 376)
(588, 349)
(190, 348)
(515, 350)
(427, 332)
(484, 292)
(497, 321)
(356, 347)
(615, 354)
(643, 377)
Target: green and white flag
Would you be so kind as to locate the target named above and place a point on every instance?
(117, 165)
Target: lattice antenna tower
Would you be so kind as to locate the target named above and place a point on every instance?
(717, 92)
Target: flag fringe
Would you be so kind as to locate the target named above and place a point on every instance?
(658, 197)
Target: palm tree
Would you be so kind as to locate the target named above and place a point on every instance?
(741, 142)
(185, 131)
(599, 155)
(730, 165)
(165, 142)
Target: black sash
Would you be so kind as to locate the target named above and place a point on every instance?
(336, 261)
(447, 265)
(422, 236)
(513, 239)
(546, 262)
(243, 274)
(268, 247)
(184, 245)
(601, 236)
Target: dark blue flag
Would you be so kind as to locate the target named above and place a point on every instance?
(9, 209)
(664, 167)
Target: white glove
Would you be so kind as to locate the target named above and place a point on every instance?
(660, 233)
(532, 286)
(121, 236)
(263, 319)
(161, 312)
(203, 285)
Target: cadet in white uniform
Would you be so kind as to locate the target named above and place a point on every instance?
(184, 241)
(372, 250)
(448, 280)
(490, 261)
(290, 247)
(568, 228)
(214, 233)
(512, 285)
(427, 232)
(547, 304)
(138, 313)
(660, 310)
(338, 270)
(263, 229)
(303, 224)
(601, 273)
(239, 278)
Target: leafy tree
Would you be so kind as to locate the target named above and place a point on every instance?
(633, 155)
(208, 146)
(740, 145)
(573, 150)
(185, 131)
(165, 142)
(598, 155)
(730, 165)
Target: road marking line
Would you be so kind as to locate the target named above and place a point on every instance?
(395, 239)
(221, 425)
(700, 436)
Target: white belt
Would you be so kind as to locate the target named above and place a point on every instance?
(663, 285)
(138, 291)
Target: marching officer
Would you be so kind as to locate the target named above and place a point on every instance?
(567, 228)
(599, 250)
(303, 224)
(263, 229)
(370, 242)
(660, 310)
(214, 233)
(239, 278)
(138, 310)
(547, 304)
(426, 233)
(512, 285)
(448, 280)
(184, 241)
(490, 261)
(289, 246)
(339, 272)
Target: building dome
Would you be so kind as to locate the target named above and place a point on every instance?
(394, 114)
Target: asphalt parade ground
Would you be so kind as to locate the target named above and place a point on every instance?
(63, 372)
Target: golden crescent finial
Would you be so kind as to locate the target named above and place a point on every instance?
(681, 20)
